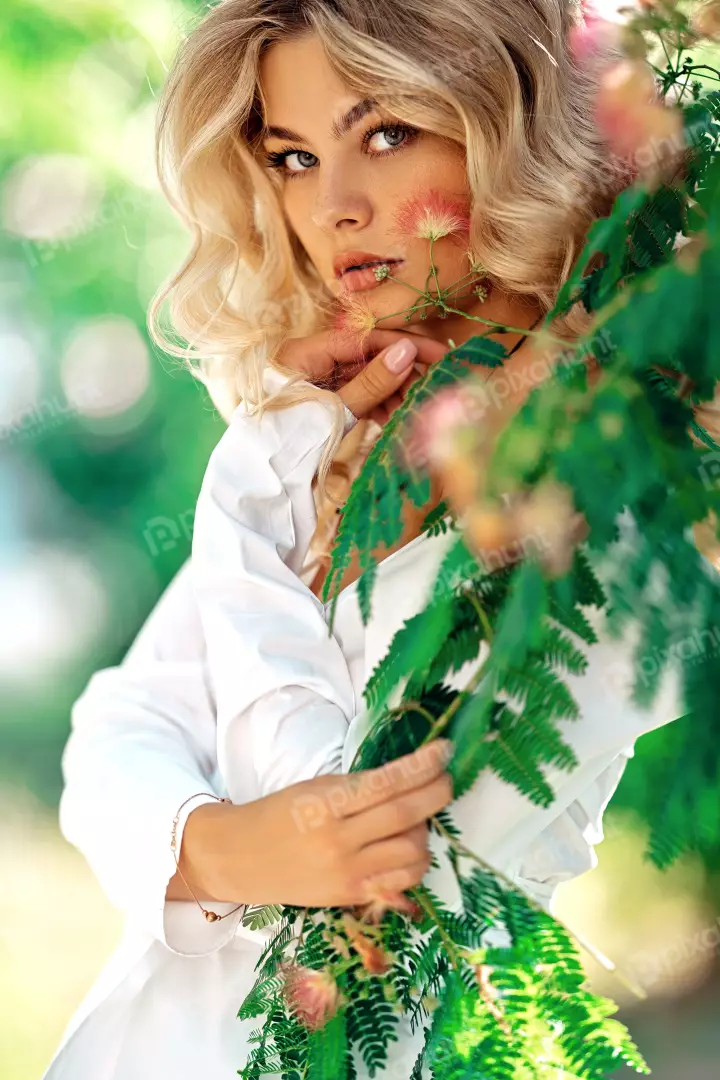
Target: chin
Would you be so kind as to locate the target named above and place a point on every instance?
(394, 299)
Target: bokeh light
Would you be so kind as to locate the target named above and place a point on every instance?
(22, 378)
(53, 607)
(50, 196)
(105, 369)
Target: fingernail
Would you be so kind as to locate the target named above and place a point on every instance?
(399, 355)
(446, 749)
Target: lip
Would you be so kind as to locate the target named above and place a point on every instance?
(354, 281)
(351, 258)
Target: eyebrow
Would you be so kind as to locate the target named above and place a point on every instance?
(338, 128)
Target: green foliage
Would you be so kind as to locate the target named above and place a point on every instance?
(328, 1051)
(256, 918)
(501, 1009)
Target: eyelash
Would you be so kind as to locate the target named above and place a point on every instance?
(275, 159)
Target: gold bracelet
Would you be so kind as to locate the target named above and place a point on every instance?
(211, 916)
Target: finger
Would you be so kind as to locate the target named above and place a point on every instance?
(386, 853)
(319, 355)
(382, 413)
(347, 349)
(347, 345)
(389, 857)
(371, 787)
(396, 880)
(381, 377)
(347, 369)
(400, 815)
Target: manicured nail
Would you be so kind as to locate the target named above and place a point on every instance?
(400, 355)
(445, 749)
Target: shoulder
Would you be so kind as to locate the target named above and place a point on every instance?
(172, 631)
(277, 438)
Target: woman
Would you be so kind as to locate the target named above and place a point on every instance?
(273, 147)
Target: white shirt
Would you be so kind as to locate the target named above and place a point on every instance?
(233, 686)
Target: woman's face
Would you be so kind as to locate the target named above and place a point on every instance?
(341, 191)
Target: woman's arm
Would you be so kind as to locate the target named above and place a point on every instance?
(142, 741)
(283, 690)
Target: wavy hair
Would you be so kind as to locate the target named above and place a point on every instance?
(497, 78)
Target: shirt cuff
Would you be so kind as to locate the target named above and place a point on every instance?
(350, 419)
(186, 931)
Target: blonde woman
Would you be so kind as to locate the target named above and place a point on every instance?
(290, 133)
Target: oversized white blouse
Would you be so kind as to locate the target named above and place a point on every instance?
(235, 687)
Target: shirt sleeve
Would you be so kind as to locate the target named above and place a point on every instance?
(282, 685)
(142, 741)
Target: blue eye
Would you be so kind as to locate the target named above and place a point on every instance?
(278, 159)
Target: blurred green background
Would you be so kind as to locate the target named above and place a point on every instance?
(103, 442)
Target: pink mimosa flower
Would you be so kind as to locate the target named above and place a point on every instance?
(601, 28)
(355, 318)
(630, 113)
(313, 996)
(384, 900)
(430, 215)
(593, 36)
(432, 437)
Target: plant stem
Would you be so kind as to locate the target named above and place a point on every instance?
(423, 899)
(442, 721)
(667, 54)
(482, 615)
(683, 89)
(432, 268)
(703, 67)
(302, 929)
(414, 706)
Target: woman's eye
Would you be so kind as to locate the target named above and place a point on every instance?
(392, 134)
(302, 156)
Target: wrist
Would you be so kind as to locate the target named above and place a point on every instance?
(202, 859)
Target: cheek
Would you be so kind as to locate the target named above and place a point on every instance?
(296, 206)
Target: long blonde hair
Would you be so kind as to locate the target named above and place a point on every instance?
(498, 79)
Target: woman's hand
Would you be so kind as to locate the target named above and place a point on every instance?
(323, 842)
(358, 372)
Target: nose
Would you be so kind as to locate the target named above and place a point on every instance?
(341, 202)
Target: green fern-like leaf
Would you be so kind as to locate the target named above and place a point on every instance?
(372, 1025)
(256, 918)
(328, 1047)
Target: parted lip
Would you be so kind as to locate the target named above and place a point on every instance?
(344, 261)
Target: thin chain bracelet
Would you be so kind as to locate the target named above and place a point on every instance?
(211, 916)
